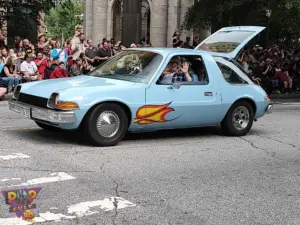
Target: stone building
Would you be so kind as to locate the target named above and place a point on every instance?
(130, 20)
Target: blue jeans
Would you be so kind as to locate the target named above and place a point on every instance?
(12, 81)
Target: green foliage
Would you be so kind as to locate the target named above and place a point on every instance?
(219, 13)
(62, 19)
(28, 8)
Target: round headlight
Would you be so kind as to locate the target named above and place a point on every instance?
(52, 100)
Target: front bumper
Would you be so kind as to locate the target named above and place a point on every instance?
(41, 114)
(269, 109)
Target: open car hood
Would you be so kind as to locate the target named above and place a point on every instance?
(229, 41)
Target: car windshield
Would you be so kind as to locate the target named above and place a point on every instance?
(130, 65)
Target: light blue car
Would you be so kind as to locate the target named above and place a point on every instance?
(150, 89)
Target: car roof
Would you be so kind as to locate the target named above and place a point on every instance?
(167, 51)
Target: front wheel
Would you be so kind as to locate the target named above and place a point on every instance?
(48, 127)
(239, 119)
(106, 125)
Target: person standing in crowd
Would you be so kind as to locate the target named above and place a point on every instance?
(105, 52)
(176, 39)
(77, 43)
(9, 72)
(42, 43)
(92, 54)
(187, 43)
(143, 42)
(195, 42)
(29, 69)
(60, 71)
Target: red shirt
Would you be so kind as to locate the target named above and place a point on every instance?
(278, 74)
(285, 76)
(42, 66)
(58, 73)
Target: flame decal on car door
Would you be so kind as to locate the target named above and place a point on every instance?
(149, 114)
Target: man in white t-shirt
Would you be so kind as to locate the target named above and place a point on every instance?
(29, 69)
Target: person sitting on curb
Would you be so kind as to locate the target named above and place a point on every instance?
(60, 71)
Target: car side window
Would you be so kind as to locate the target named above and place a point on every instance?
(186, 70)
(230, 75)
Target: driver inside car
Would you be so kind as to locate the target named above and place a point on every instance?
(176, 72)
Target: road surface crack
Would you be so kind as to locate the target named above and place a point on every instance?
(116, 189)
(269, 153)
(273, 139)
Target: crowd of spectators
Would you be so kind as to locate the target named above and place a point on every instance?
(49, 59)
(276, 69)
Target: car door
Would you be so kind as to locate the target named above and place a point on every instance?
(229, 41)
(193, 104)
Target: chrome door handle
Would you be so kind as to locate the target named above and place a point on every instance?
(208, 94)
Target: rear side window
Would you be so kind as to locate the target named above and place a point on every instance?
(230, 76)
(231, 73)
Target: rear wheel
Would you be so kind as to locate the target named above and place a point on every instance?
(239, 119)
(106, 125)
(48, 127)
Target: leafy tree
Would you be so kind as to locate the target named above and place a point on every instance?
(62, 19)
(215, 14)
(21, 15)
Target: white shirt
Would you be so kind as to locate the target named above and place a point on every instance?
(62, 57)
(28, 68)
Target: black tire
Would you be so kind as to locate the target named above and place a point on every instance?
(90, 125)
(48, 127)
(227, 124)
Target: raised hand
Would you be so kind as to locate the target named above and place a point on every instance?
(185, 67)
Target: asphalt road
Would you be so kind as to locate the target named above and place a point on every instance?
(196, 177)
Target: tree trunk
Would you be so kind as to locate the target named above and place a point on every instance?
(41, 23)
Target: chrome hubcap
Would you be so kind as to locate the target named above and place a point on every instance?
(240, 118)
(108, 124)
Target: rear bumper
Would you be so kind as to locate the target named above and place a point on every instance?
(41, 114)
(269, 109)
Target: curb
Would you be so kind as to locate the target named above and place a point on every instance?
(285, 96)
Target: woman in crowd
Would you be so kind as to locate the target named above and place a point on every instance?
(3, 56)
(58, 53)
(9, 73)
(67, 47)
(77, 67)
(19, 50)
